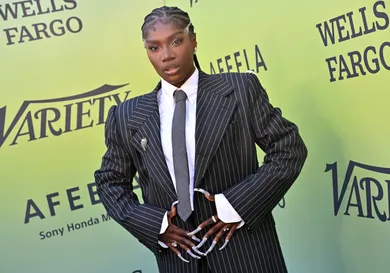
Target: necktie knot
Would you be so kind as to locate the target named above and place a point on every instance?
(179, 95)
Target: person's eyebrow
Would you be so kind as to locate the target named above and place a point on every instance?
(169, 37)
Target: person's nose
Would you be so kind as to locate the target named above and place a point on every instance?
(167, 54)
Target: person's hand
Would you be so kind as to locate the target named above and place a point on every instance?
(219, 227)
(175, 237)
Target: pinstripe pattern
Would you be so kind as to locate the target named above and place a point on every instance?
(233, 115)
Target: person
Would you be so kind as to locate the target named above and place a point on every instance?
(207, 202)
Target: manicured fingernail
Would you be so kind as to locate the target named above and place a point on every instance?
(224, 245)
(202, 243)
(211, 247)
(197, 251)
(192, 254)
(195, 231)
(195, 239)
(181, 257)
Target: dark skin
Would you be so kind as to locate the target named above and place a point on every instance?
(170, 50)
(167, 45)
(217, 226)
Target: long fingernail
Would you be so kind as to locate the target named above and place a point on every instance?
(181, 257)
(195, 231)
(195, 239)
(202, 191)
(192, 254)
(225, 244)
(174, 203)
(202, 243)
(211, 247)
(197, 251)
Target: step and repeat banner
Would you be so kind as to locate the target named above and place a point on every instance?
(65, 62)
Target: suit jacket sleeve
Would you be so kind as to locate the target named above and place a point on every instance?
(285, 154)
(114, 186)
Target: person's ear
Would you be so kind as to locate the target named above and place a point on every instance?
(194, 42)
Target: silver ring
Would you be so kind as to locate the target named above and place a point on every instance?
(174, 244)
(214, 219)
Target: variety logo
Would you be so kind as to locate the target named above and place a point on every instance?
(364, 191)
(38, 119)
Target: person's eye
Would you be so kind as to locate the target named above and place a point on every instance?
(152, 48)
(177, 41)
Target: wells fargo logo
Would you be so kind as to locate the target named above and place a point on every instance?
(38, 119)
(364, 192)
(193, 2)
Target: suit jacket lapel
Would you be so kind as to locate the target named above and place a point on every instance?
(146, 120)
(214, 110)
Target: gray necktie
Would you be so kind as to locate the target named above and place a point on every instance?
(180, 160)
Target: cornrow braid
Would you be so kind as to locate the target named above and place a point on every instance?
(169, 15)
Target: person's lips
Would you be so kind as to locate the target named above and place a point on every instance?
(171, 69)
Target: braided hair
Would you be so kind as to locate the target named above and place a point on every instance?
(169, 15)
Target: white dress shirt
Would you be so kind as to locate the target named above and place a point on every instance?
(166, 105)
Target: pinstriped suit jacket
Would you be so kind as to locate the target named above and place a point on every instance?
(233, 116)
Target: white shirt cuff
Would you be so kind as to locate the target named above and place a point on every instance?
(226, 213)
(164, 224)
(164, 227)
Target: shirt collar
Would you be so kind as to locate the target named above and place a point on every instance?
(190, 87)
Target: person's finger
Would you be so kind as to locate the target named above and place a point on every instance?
(208, 195)
(194, 231)
(183, 242)
(172, 234)
(208, 222)
(178, 237)
(177, 252)
(179, 231)
(202, 191)
(231, 231)
(181, 257)
(218, 237)
(210, 198)
(215, 228)
(221, 232)
(183, 246)
(229, 235)
(198, 251)
(173, 212)
(172, 229)
(196, 239)
(204, 240)
(173, 206)
(188, 244)
(218, 226)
